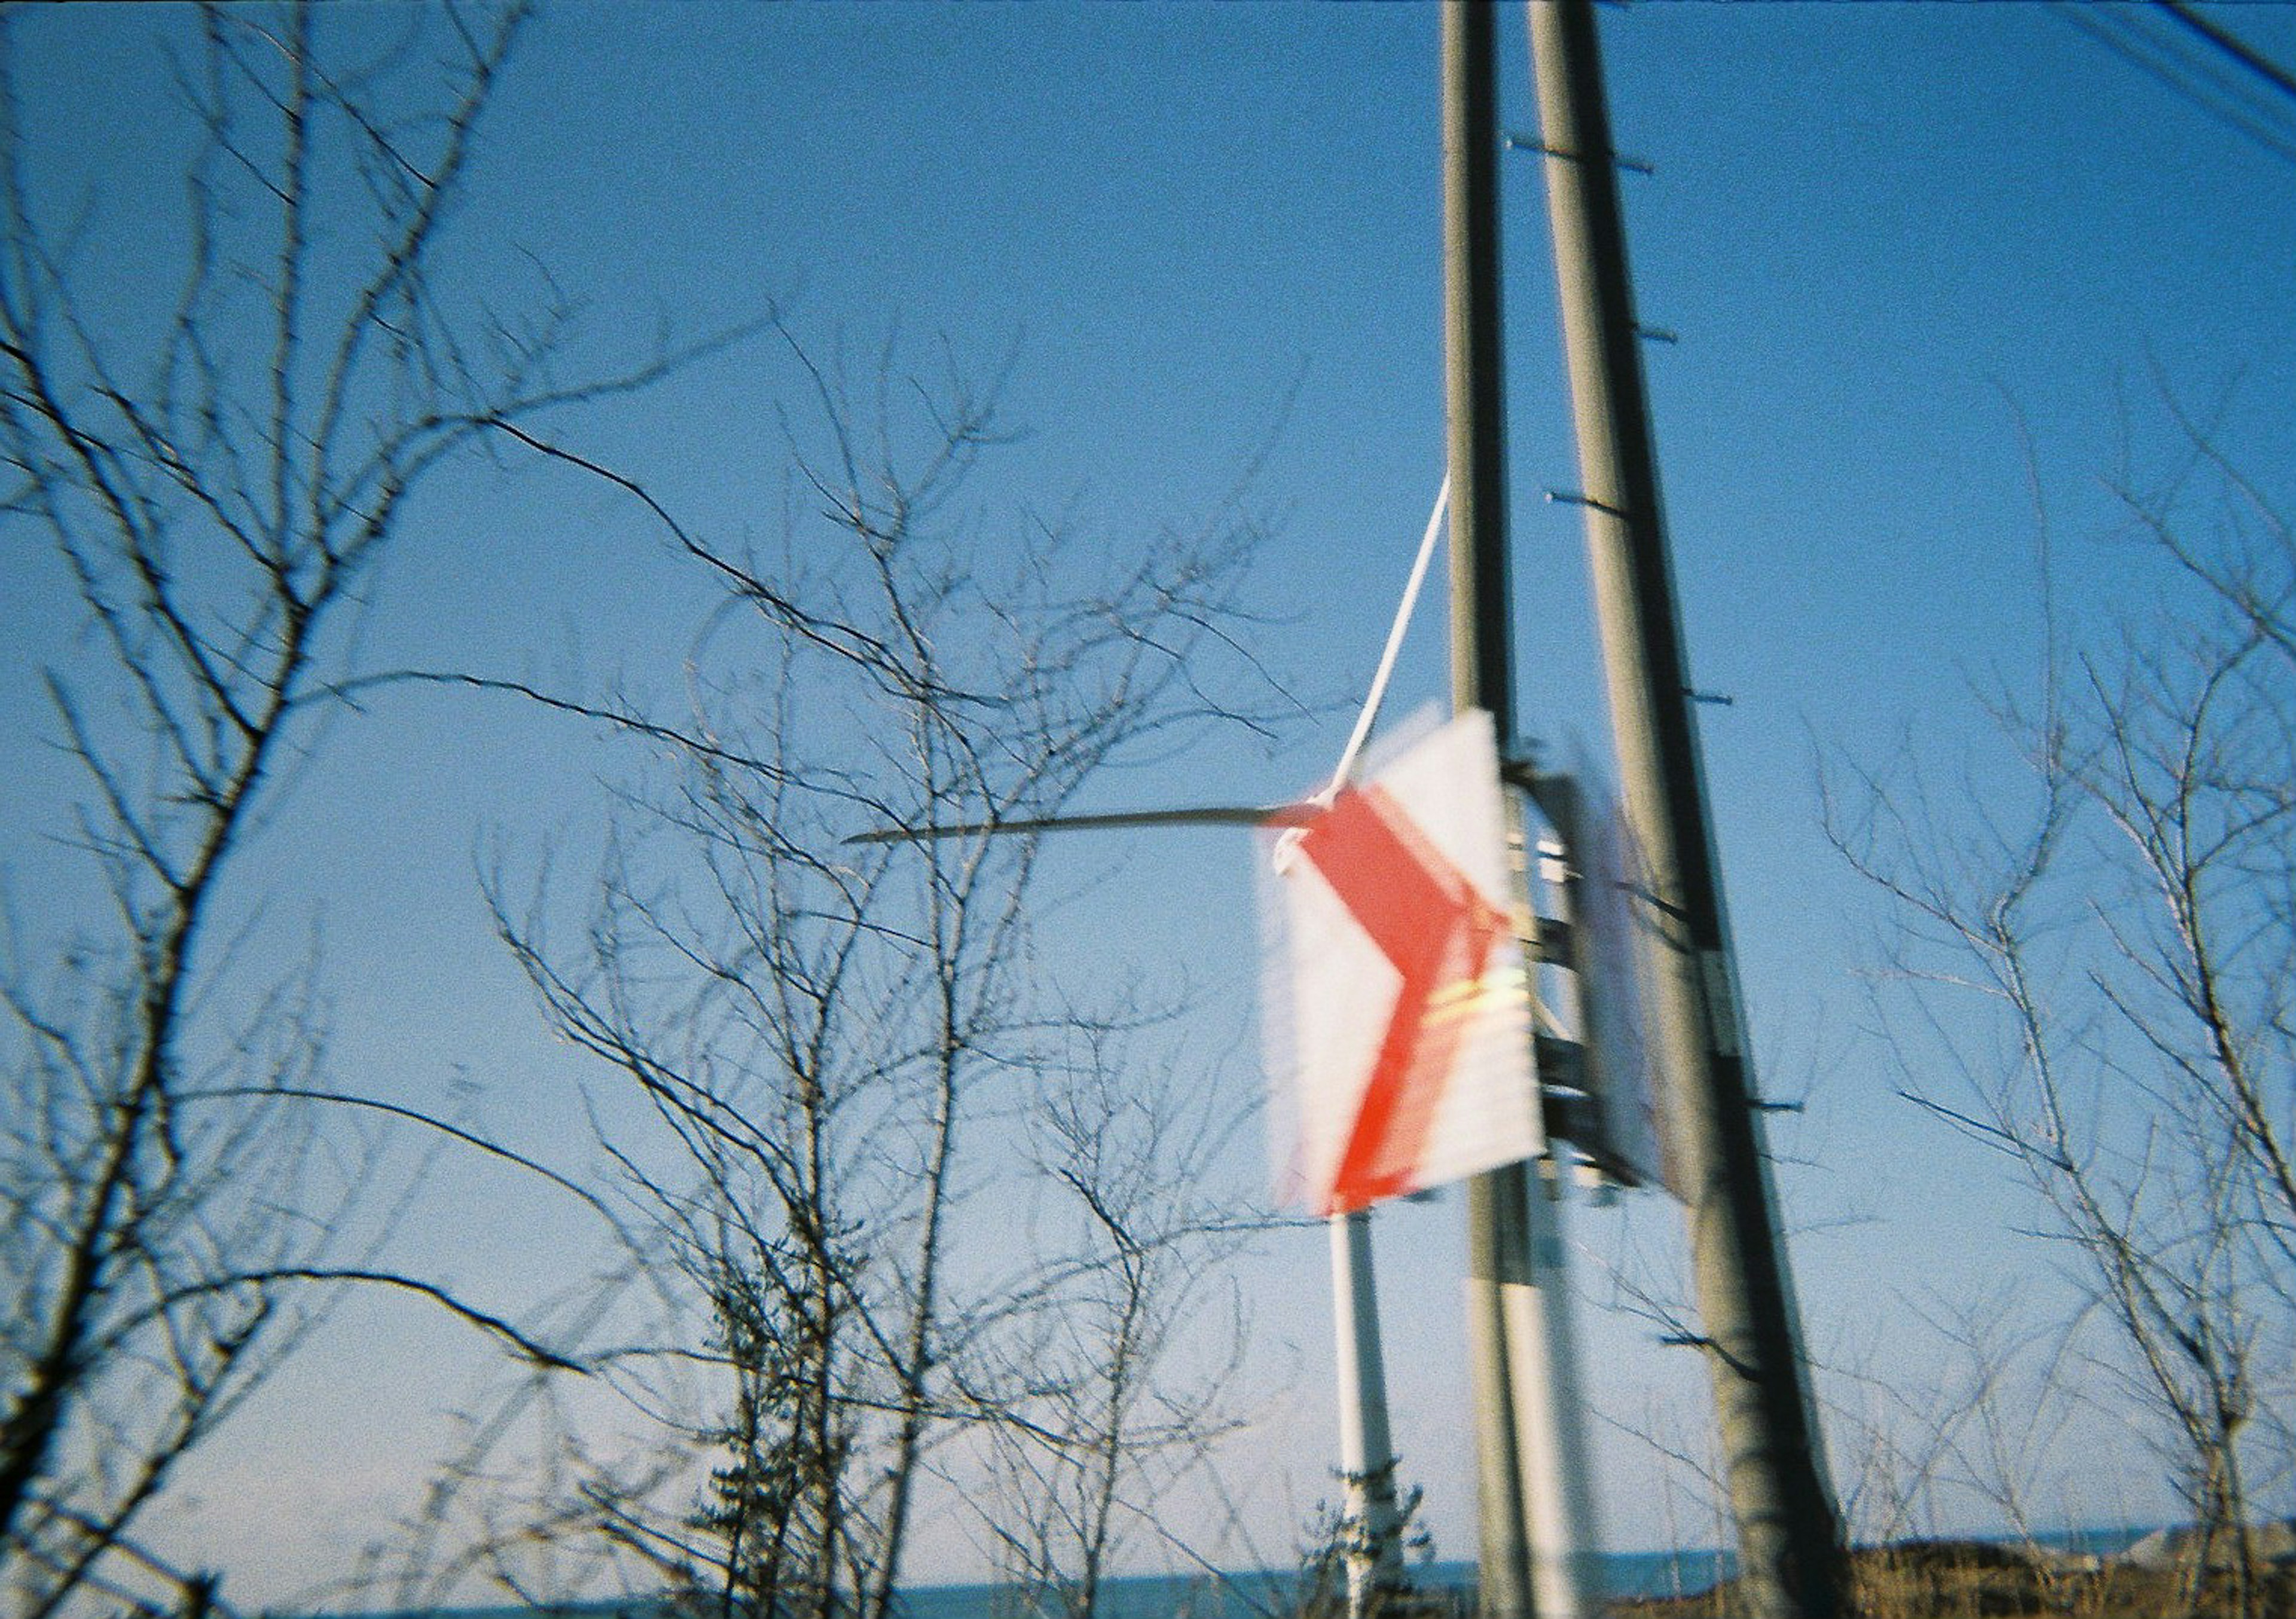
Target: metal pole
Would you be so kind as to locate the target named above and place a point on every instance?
(1530, 1464)
(1373, 1525)
(1788, 1529)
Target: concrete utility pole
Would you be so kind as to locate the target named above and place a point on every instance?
(1535, 1504)
(1789, 1535)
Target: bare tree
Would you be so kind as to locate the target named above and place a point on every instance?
(219, 490)
(1111, 1387)
(835, 1042)
(1979, 1431)
(2122, 951)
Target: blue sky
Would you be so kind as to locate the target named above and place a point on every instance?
(1885, 235)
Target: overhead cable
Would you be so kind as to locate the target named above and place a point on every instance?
(2197, 76)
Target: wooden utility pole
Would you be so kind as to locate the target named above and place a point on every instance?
(1789, 1536)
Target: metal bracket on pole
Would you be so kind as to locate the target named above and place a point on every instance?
(1566, 497)
(1523, 143)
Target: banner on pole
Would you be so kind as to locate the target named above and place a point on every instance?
(1409, 1006)
(1618, 1068)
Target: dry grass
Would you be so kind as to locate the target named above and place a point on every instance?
(1976, 1580)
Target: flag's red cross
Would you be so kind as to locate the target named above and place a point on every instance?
(1439, 931)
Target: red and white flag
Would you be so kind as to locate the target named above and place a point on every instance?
(1409, 1004)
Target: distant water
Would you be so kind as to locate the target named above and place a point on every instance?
(1622, 1574)
(1267, 1595)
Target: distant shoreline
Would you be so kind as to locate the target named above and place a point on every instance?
(1645, 1575)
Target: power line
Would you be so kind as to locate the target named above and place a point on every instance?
(2192, 74)
(2233, 46)
(2197, 76)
